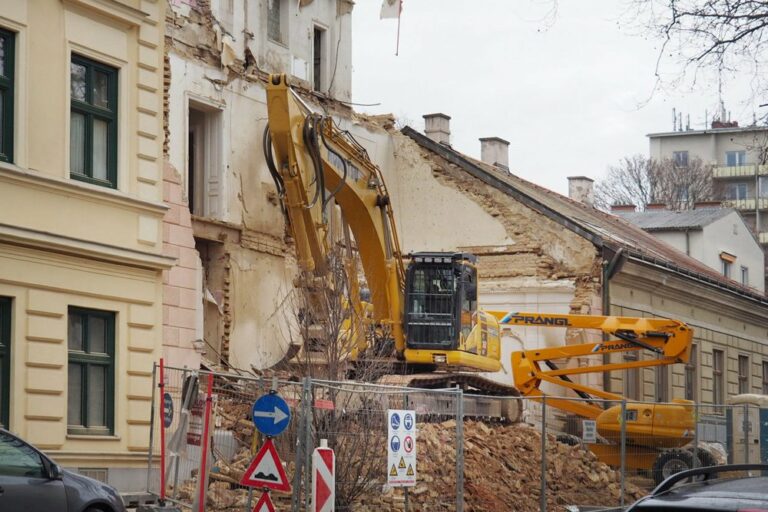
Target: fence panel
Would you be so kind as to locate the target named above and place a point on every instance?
(467, 459)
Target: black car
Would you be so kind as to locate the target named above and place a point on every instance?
(32, 482)
(706, 490)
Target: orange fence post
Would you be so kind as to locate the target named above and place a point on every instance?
(162, 433)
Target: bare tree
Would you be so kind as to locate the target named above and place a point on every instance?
(718, 36)
(333, 326)
(640, 181)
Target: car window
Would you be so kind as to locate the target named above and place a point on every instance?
(18, 459)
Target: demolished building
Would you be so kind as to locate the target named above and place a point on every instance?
(537, 250)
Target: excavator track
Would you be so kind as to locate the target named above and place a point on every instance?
(483, 398)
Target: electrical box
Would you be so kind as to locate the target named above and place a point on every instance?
(747, 425)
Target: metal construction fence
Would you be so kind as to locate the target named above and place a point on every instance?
(203, 437)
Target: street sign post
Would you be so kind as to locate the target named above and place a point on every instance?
(323, 478)
(271, 414)
(401, 448)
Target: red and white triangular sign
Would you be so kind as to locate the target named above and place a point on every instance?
(264, 504)
(266, 470)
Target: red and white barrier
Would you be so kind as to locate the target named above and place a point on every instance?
(323, 478)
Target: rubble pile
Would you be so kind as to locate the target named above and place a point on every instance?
(502, 471)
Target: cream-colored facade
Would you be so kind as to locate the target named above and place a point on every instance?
(77, 252)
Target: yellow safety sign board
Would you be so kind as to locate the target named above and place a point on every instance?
(402, 463)
(410, 470)
(393, 471)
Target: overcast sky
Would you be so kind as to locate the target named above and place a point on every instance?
(566, 92)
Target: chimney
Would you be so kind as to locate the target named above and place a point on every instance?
(580, 189)
(655, 206)
(622, 207)
(495, 151)
(438, 128)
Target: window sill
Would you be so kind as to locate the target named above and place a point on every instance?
(94, 437)
(278, 43)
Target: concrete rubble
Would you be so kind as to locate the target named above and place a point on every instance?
(502, 469)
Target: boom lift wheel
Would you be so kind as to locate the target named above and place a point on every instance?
(670, 462)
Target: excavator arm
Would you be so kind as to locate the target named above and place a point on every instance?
(669, 340)
(315, 164)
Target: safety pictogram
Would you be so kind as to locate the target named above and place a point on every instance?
(402, 463)
(266, 470)
(393, 471)
(408, 444)
(264, 504)
(410, 470)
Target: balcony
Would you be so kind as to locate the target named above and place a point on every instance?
(746, 204)
(739, 171)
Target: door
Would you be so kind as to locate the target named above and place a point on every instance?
(5, 360)
(24, 484)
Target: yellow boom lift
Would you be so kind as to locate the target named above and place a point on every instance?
(429, 308)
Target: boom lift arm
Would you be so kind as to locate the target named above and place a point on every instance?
(670, 340)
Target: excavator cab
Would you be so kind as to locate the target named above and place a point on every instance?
(441, 297)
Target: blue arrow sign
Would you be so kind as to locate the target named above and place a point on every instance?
(167, 410)
(271, 414)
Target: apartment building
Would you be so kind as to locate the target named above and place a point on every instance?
(738, 155)
(81, 212)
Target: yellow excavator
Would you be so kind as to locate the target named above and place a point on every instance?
(428, 309)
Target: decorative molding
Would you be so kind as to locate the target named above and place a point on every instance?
(50, 242)
(10, 173)
(115, 10)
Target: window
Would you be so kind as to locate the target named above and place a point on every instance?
(718, 382)
(91, 380)
(765, 377)
(680, 158)
(736, 191)
(745, 275)
(276, 10)
(19, 459)
(204, 160)
(93, 122)
(691, 377)
(662, 384)
(632, 377)
(743, 374)
(7, 55)
(735, 158)
(5, 360)
(725, 268)
(317, 58)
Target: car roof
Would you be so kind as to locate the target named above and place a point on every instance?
(719, 494)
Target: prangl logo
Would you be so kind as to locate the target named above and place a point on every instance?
(539, 320)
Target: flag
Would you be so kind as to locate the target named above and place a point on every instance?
(390, 8)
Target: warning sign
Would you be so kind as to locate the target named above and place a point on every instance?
(266, 470)
(401, 448)
(264, 504)
(589, 428)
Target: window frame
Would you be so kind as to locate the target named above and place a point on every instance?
(725, 268)
(745, 275)
(677, 158)
(765, 377)
(739, 159)
(87, 359)
(7, 86)
(6, 304)
(90, 111)
(281, 24)
(743, 377)
(691, 375)
(718, 378)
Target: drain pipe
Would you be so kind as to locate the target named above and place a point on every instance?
(610, 268)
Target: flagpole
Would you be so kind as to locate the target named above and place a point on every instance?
(399, 12)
